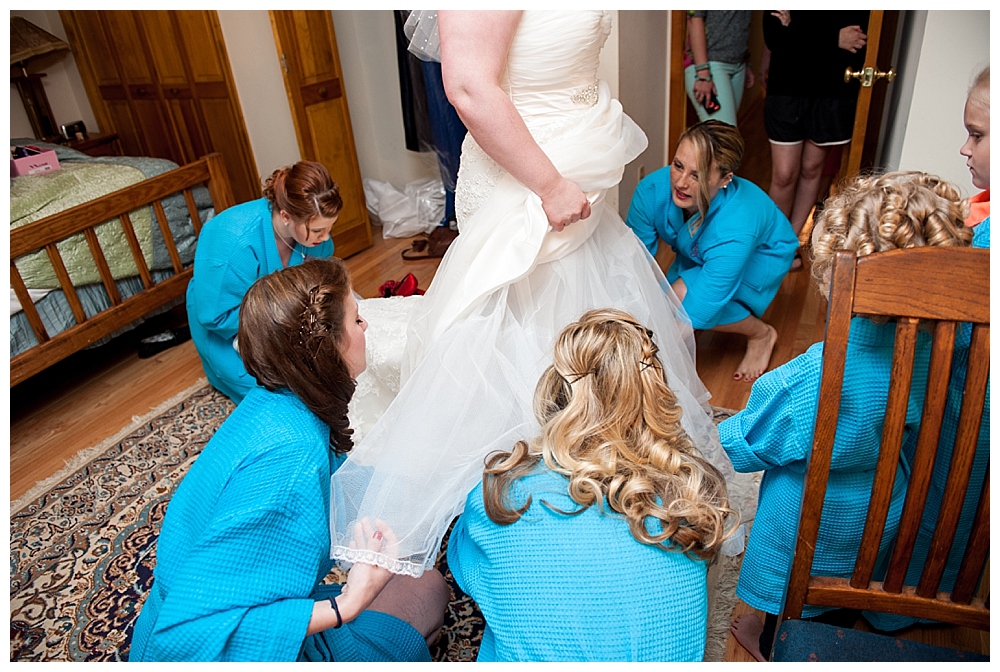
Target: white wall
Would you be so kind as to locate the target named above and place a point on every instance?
(366, 40)
(253, 59)
(954, 47)
(62, 82)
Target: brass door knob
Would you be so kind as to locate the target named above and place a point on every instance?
(869, 75)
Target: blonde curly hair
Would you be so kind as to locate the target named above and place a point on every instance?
(611, 425)
(891, 211)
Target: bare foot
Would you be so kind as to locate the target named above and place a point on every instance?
(757, 357)
(796, 262)
(746, 628)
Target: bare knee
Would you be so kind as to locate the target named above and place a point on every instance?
(421, 602)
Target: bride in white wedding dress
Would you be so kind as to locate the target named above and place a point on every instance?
(539, 246)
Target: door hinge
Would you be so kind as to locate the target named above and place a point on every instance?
(284, 63)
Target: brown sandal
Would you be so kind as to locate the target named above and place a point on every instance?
(416, 251)
(432, 247)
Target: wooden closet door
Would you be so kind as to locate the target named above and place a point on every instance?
(113, 64)
(161, 80)
(307, 48)
(197, 84)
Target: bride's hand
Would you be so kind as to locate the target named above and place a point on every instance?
(564, 204)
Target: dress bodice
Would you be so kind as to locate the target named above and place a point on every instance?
(552, 64)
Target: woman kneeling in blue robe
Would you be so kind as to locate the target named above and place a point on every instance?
(290, 224)
(733, 245)
(245, 542)
(591, 542)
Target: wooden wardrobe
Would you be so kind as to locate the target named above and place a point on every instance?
(161, 80)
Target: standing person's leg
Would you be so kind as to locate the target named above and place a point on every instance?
(786, 163)
(807, 188)
(738, 80)
(725, 75)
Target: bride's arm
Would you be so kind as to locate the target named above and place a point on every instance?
(474, 47)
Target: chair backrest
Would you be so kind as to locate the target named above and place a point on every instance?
(946, 286)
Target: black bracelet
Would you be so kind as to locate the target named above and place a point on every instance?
(333, 603)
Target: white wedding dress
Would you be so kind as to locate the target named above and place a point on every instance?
(474, 346)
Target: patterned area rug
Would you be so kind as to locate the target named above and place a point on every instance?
(83, 544)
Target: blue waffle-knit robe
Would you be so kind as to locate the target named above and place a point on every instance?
(734, 263)
(235, 249)
(775, 433)
(554, 587)
(244, 545)
(942, 462)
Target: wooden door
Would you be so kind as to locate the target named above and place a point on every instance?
(871, 99)
(120, 81)
(307, 49)
(161, 81)
(197, 86)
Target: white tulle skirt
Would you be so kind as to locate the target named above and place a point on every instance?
(471, 394)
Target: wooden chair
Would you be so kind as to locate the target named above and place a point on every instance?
(946, 286)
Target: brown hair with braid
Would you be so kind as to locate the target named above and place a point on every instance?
(718, 146)
(304, 190)
(891, 211)
(611, 425)
(290, 333)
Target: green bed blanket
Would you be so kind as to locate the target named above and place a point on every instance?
(35, 197)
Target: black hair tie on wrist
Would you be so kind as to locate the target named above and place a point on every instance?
(333, 603)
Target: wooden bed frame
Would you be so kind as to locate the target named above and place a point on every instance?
(45, 233)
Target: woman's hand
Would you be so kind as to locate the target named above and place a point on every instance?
(364, 581)
(783, 15)
(564, 203)
(852, 38)
(703, 90)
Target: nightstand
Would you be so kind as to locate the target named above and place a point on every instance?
(96, 145)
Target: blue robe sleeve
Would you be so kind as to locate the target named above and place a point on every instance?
(229, 279)
(262, 560)
(776, 427)
(643, 211)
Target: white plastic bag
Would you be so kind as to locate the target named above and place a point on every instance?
(401, 215)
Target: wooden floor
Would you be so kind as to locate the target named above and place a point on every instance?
(88, 397)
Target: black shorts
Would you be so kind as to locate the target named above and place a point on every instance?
(824, 121)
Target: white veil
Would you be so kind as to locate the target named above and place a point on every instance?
(421, 28)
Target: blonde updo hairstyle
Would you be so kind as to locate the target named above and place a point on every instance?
(304, 190)
(612, 426)
(892, 211)
(714, 142)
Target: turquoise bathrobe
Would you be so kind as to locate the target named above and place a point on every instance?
(733, 264)
(244, 545)
(235, 249)
(557, 587)
(942, 462)
(774, 433)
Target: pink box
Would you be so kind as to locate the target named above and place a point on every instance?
(34, 164)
